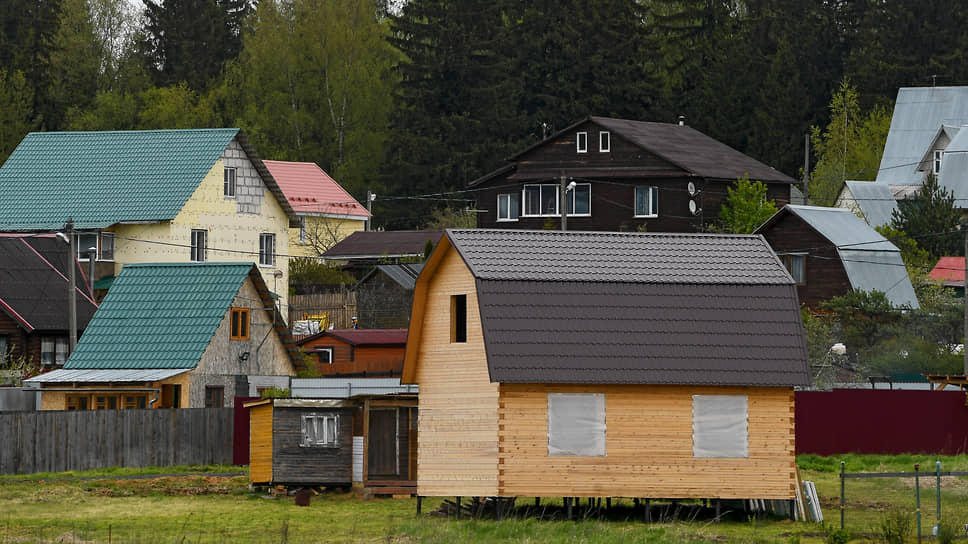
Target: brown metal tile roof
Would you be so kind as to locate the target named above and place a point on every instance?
(391, 243)
(582, 307)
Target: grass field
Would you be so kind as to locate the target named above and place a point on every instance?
(206, 508)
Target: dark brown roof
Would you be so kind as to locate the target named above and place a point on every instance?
(377, 244)
(691, 150)
(33, 283)
(363, 337)
(583, 307)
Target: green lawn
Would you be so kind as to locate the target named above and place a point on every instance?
(207, 509)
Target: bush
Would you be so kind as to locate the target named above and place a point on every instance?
(832, 535)
(895, 526)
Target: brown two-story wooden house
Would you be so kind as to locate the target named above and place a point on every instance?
(620, 175)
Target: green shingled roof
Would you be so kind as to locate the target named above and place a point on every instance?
(159, 316)
(102, 178)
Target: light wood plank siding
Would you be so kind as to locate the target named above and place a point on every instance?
(260, 443)
(458, 405)
(648, 446)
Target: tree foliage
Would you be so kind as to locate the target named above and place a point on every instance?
(850, 146)
(931, 219)
(746, 207)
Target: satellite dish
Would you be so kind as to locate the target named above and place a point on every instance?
(694, 209)
(691, 188)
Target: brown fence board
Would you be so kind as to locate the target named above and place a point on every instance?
(57, 441)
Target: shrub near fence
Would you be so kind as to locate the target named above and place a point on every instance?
(56, 441)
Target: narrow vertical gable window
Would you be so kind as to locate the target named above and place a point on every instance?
(228, 185)
(581, 141)
(576, 424)
(604, 141)
(938, 155)
(240, 324)
(199, 245)
(458, 318)
(720, 426)
(267, 249)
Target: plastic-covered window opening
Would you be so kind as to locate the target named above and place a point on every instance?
(576, 424)
(720, 426)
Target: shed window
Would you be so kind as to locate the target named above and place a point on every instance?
(604, 141)
(214, 396)
(240, 324)
(582, 142)
(720, 426)
(795, 263)
(576, 424)
(508, 207)
(325, 355)
(458, 318)
(320, 430)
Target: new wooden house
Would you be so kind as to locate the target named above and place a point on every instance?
(831, 251)
(587, 364)
(620, 175)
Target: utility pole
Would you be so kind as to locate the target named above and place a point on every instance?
(806, 169)
(564, 208)
(369, 207)
(71, 285)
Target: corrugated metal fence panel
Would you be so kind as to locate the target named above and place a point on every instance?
(56, 441)
(336, 388)
(357, 458)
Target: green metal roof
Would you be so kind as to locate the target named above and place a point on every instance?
(159, 315)
(102, 178)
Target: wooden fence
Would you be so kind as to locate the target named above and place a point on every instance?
(338, 308)
(56, 441)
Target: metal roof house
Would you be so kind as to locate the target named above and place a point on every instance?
(926, 136)
(384, 295)
(605, 364)
(627, 175)
(830, 251)
(174, 335)
(874, 202)
(145, 196)
(326, 212)
(33, 298)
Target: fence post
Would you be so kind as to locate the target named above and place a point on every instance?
(842, 465)
(917, 499)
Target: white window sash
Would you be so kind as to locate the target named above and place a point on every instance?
(581, 142)
(651, 200)
(604, 141)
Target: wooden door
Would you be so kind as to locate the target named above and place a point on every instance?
(383, 455)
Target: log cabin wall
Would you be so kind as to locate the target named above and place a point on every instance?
(824, 273)
(649, 446)
(457, 450)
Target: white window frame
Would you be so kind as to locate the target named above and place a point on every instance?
(653, 201)
(542, 188)
(938, 157)
(570, 200)
(329, 355)
(566, 433)
(604, 141)
(513, 207)
(788, 260)
(720, 426)
(81, 249)
(581, 142)
(230, 180)
(199, 251)
(267, 249)
(320, 430)
(56, 347)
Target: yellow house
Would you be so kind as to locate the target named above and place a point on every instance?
(595, 364)
(327, 213)
(195, 195)
(175, 335)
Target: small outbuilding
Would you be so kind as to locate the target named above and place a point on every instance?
(605, 364)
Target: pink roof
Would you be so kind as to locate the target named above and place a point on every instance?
(310, 190)
(949, 269)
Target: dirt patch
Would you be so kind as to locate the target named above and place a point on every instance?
(951, 484)
(168, 486)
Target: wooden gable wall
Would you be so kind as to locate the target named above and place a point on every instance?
(457, 453)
